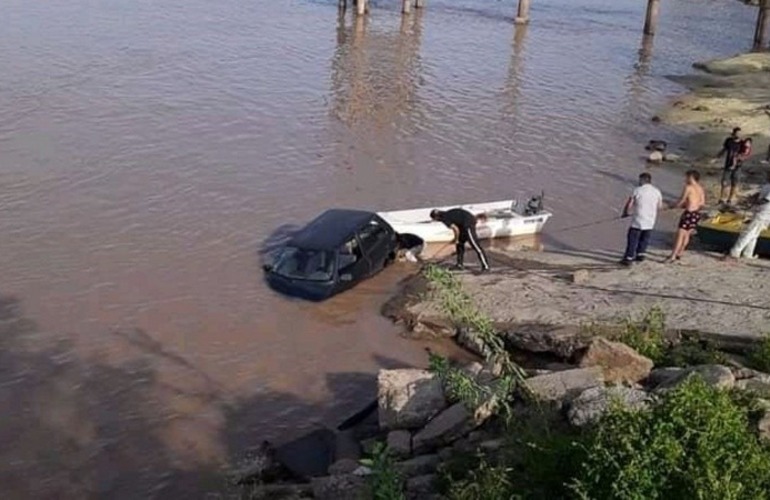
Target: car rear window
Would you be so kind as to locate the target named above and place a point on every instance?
(304, 264)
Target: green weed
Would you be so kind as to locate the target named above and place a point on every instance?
(695, 444)
(691, 352)
(385, 481)
(759, 358)
(646, 335)
(459, 306)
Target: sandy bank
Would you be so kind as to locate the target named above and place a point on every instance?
(701, 293)
(732, 92)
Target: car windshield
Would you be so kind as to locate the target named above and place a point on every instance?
(299, 263)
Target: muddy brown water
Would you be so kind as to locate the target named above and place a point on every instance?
(151, 152)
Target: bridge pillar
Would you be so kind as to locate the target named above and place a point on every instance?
(760, 33)
(522, 16)
(651, 19)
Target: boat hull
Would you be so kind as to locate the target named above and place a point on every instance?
(500, 222)
(721, 232)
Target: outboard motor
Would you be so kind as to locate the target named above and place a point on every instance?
(534, 205)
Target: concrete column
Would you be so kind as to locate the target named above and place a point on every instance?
(419, 4)
(761, 31)
(361, 7)
(651, 19)
(522, 16)
(406, 6)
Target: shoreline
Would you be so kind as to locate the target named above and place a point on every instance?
(567, 373)
(722, 94)
(542, 304)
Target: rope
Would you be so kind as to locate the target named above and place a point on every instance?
(589, 224)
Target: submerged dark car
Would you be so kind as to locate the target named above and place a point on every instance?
(332, 253)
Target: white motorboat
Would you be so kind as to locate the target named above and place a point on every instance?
(499, 219)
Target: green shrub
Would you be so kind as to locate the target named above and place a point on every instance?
(691, 352)
(486, 482)
(759, 358)
(385, 481)
(545, 459)
(646, 335)
(695, 443)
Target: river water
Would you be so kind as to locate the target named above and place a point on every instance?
(150, 152)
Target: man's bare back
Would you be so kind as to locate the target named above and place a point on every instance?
(693, 197)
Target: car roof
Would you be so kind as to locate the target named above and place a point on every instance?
(330, 229)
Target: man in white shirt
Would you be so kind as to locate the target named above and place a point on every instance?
(642, 206)
(747, 241)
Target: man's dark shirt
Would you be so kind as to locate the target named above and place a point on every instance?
(732, 147)
(458, 217)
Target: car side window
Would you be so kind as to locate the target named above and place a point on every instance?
(349, 254)
(372, 235)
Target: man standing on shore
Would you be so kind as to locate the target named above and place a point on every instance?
(463, 224)
(692, 201)
(747, 241)
(730, 150)
(643, 204)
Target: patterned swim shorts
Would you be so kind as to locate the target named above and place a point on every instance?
(689, 220)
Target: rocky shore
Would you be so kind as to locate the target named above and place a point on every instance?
(562, 341)
(565, 321)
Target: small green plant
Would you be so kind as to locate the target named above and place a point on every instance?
(691, 352)
(646, 335)
(486, 482)
(385, 481)
(459, 306)
(461, 386)
(759, 358)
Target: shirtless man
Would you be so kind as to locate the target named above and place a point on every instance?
(692, 201)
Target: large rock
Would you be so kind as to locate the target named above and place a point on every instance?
(341, 487)
(408, 398)
(593, 403)
(719, 376)
(343, 466)
(259, 464)
(417, 466)
(426, 321)
(763, 427)
(452, 423)
(758, 385)
(421, 487)
(280, 492)
(563, 341)
(471, 340)
(561, 386)
(309, 455)
(400, 443)
(659, 376)
(655, 157)
(620, 364)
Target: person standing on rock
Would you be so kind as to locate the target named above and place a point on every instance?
(747, 241)
(463, 223)
(731, 150)
(692, 201)
(643, 204)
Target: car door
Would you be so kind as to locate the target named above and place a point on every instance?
(376, 239)
(352, 263)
